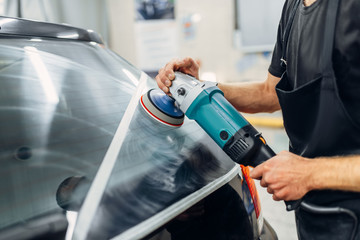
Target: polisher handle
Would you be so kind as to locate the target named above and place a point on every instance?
(249, 148)
(264, 153)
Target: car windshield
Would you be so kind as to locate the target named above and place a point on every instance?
(70, 121)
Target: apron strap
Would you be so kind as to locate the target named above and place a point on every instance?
(329, 38)
(286, 34)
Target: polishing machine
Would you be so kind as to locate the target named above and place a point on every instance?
(205, 103)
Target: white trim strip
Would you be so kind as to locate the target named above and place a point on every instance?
(158, 220)
(93, 198)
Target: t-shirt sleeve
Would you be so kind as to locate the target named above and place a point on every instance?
(275, 67)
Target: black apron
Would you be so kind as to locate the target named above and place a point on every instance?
(317, 125)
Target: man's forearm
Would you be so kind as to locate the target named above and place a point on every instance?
(252, 97)
(337, 173)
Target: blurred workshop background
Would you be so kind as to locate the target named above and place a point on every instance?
(231, 39)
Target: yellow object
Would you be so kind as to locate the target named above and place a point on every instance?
(274, 122)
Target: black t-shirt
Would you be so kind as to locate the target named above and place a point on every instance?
(305, 46)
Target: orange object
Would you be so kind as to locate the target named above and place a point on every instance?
(253, 192)
(263, 140)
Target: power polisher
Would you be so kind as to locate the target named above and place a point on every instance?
(205, 103)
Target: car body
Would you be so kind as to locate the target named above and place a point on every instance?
(82, 160)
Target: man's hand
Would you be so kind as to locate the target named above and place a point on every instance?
(166, 74)
(287, 176)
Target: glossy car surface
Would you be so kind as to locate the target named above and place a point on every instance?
(75, 141)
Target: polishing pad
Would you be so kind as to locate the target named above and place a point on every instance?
(162, 108)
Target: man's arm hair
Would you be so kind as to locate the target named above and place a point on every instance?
(253, 97)
(337, 173)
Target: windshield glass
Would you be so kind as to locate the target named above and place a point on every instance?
(63, 105)
(157, 166)
(57, 118)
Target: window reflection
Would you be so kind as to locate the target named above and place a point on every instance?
(43, 75)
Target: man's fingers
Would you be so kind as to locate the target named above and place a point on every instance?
(175, 65)
(280, 195)
(167, 73)
(161, 84)
(276, 198)
(164, 78)
(257, 172)
(263, 183)
(270, 190)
